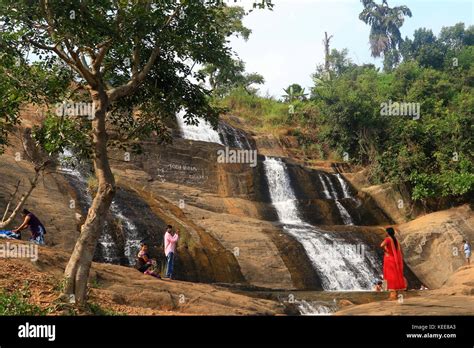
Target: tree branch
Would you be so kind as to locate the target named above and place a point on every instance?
(103, 49)
(12, 196)
(25, 196)
(138, 78)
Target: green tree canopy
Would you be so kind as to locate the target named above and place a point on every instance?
(125, 57)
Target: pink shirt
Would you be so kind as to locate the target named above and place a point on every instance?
(170, 243)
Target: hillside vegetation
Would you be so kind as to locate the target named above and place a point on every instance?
(409, 124)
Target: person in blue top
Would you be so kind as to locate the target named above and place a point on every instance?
(467, 251)
(36, 227)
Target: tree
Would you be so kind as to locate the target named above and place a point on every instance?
(230, 76)
(123, 56)
(294, 92)
(425, 48)
(326, 53)
(385, 22)
(338, 63)
(20, 84)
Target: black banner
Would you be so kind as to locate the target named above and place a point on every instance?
(290, 331)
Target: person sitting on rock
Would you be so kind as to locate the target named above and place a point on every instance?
(378, 286)
(145, 264)
(467, 251)
(36, 227)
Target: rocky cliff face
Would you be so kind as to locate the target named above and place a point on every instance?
(230, 230)
(432, 244)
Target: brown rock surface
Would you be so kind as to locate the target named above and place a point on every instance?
(455, 298)
(251, 241)
(50, 201)
(432, 243)
(127, 291)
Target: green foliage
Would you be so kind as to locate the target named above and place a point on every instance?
(21, 83)
(231, 76)
(96, 309)
(433, 154)
(16, 303)
(259, 111)
(103, 45)
(59, 133)
(385, 23)
(293, 93)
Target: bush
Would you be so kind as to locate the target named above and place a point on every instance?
(16, 303)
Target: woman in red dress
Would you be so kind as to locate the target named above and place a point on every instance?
(393, 263)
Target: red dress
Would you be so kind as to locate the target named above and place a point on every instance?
(393, 266)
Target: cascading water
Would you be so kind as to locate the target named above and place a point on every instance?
(203, 131)
(132, 238)
(314, 308)
(283, 197)
(333, 194)
(70, 167)
(346, 217)
(233, 137)
(344, 186)
(325, 188)
(340, 264)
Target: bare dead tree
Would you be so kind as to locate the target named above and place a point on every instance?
(326, 53)
(33, 182)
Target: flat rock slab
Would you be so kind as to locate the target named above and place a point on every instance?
(424, 305)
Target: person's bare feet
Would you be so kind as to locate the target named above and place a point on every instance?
(393, 296)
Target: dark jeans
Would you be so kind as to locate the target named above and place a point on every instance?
(170, 265)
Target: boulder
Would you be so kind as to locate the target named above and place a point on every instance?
(432, 243)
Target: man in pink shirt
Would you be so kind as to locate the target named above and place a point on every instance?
(171, 239)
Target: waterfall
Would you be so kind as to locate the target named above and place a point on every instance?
(333, 194)
(340, 264)
(325, 180)
(283, 197)
(132, 238)
(325, 188)
(346, 217)
(70, 167)
(234, 137)
(314, 308)
(344, 186)
(203, 131)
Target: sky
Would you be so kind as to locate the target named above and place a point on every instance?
(286, 44)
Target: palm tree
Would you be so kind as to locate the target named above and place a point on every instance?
(385, 22)
(294, 92)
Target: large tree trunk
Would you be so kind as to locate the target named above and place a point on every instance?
(77, 270)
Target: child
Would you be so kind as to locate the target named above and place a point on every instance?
(378, 286)
(467, 252)
(144, 263)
